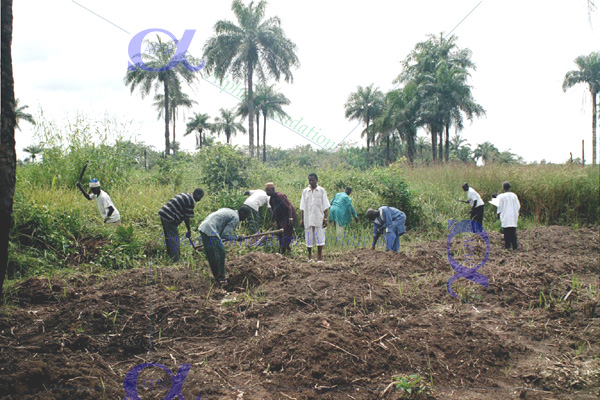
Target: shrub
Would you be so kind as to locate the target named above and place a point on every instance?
(224, 167)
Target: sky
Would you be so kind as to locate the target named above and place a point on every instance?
(70, 58)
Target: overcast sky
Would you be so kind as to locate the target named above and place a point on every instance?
(68, 61)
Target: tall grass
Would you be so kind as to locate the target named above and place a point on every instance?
(52, 217)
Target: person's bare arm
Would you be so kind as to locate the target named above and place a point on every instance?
(188, 234)
(87, 196)
(111, 210)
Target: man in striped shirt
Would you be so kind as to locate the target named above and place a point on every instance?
(179, 208)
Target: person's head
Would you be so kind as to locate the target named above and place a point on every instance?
(372, 214)
(95, 186)
(465, 187)
(244, 213)
(198, 194)
(494, 195)
(270, 188)
(348, 190)
(312, 180)
(506, 186)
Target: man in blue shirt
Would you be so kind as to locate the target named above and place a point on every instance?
(216, 227)
(390, 220)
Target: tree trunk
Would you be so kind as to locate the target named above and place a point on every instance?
(167, 144)
(594, 116)
(388, 150)
(264, 138)
(433, 143)
(258, 134)
(441, 145)
(250, 101)
(368, 140)
(8, 155)
(411, 146)
(174, 128)
(200, 136)
(447, 148)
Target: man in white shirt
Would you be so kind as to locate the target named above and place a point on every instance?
(257, 199)
(314, 208)
(108, 211)
(508, 211)
(476, 203)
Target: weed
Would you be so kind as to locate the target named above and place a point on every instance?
(411, 387)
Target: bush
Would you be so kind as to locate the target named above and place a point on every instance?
(224, 167)
(396, 193)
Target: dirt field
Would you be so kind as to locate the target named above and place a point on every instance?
(343, 329)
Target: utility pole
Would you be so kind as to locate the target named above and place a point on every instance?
(583, 152)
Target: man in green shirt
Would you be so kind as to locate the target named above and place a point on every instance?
(341, 212)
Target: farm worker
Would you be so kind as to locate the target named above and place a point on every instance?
(390, 220)
(218, 226)
(508, 212)
(179, 208)
(314, 208)
(108, 211)
(476, 203)
(342, 212)
(257, 199)
(284, 214)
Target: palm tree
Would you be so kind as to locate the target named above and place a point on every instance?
(178, 99)
(199, 122)
(254, 45)
(271, 103)
(137, 77)
(20, 114)
(588, 72)
(440, 71)
(227, 124)
(243, 110)
(34, 150)
(8, 157)
(487, 152)
(456, 143)
(365, 105)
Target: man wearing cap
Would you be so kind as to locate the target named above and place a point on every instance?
(476, 203)
(342, 212)
(179, 208)
(108, 211)
(391, 220)
(257, 199)
(284, 214)
(314, 209)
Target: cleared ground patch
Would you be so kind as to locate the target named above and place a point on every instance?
(338, 330)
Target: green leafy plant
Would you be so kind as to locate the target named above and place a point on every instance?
(412, 387)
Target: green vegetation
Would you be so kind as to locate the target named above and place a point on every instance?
(56, 228)
(412, 387)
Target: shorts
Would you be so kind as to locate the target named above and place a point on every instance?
(314, 235)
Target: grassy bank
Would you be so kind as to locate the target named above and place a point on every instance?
(56, 228)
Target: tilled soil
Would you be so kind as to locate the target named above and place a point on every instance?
(342, 329)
